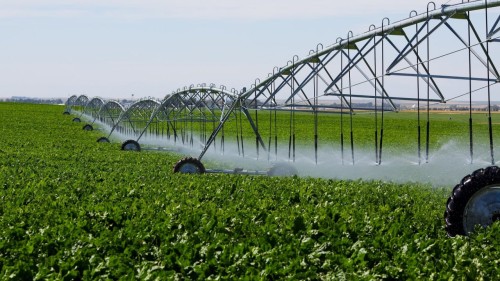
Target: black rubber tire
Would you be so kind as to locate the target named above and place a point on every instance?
(76, 119)
(103, 139)
(283, 170)
(469, 186)
(88, 127)
(131, 145)
(66, 113)
(189, 165)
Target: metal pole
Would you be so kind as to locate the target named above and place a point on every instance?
(316, 85)
(427, 137)
(375, 94)
(419, 129)
(256, 121)
(471, 147)
(383, 96)
(490, 124)
(342, 110)
(350, 34)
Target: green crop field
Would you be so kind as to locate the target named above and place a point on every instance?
(73, 209)
(400, 129)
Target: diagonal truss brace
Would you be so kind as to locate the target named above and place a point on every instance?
(494, 30)
(428, 80)
(350, 65)
(410, 47)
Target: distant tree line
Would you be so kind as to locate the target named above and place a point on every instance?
(33, 100)
(455, 107)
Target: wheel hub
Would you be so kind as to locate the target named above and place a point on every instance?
(188, 168)
(482, 209)
(130, 146)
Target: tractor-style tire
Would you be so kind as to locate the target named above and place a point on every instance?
(66, 113)
(283, 170)
(76, 119)
(131, 145)
(474, 201)
(88, 127)
(189, 165)
(103, 139)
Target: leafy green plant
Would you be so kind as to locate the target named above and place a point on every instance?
(72, 208)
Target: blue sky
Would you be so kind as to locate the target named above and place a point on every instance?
(116, 49)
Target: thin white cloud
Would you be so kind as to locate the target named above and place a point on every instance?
(207, 9)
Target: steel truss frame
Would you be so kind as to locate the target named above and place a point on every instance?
(178, 112)
(135, 117)
(110, 113)
(369, 66)
(79, 104)
(93, 108)
(69, 103)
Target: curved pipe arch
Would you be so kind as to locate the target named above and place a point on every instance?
(82, 100)
(80, 104)
(94, 106)
(69, 104)
(139, 105)
(199, 103)
(71, 100)
(111, 104)
(135, 115)
(110, 112)
(192, 97)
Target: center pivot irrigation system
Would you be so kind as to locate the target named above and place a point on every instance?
(443, 54)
